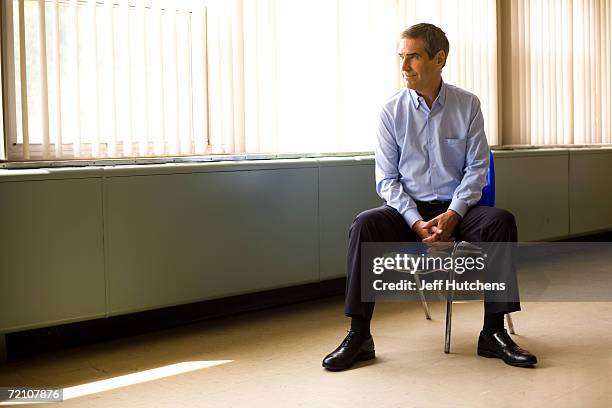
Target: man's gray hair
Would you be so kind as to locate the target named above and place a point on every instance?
(434, 38)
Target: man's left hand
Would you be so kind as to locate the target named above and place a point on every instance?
(442, 226)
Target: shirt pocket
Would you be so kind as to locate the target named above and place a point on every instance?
(453, 152)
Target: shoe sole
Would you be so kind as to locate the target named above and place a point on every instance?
(361, 357)
(491, 354)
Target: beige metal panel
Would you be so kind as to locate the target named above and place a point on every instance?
(344, 191)
(534, 187)
(180, 238)
(590, 190)
(51, 257)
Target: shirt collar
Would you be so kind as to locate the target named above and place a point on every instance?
(417, 100)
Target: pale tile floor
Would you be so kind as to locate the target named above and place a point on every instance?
(277, 361)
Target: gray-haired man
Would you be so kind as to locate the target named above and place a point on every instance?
(431, 162)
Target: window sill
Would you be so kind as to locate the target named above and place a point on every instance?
(172, 160)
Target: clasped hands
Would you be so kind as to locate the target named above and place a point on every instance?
(439, 229)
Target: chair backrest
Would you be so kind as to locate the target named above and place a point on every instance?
(488, 192)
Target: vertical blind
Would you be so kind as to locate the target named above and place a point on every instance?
(128, 78)
(106, 78)
(471, 28)
(297, 76)
(561, 83)
(120, 78)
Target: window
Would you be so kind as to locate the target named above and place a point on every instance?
(156, 78)
(558, 85)
(122, 79)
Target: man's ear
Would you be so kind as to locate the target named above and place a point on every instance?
(440, 58)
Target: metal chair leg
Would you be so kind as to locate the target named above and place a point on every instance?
(449, 315)
(422, 296)
(510, 323)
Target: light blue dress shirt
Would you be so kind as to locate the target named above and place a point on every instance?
(425, 155)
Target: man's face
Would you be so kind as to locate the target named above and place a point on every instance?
(419, 71)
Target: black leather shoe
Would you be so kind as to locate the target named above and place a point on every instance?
(353, 348)
(500, 345)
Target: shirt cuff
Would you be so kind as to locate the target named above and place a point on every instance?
(458, 206)
(412, 216)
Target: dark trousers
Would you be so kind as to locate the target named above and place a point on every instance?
(385, 224)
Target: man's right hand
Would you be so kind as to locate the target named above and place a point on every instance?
(424, 233)
(431, 236)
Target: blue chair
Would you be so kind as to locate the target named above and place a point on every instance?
(488, 192)
(464, 248)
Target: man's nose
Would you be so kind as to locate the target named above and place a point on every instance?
(406, 65)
